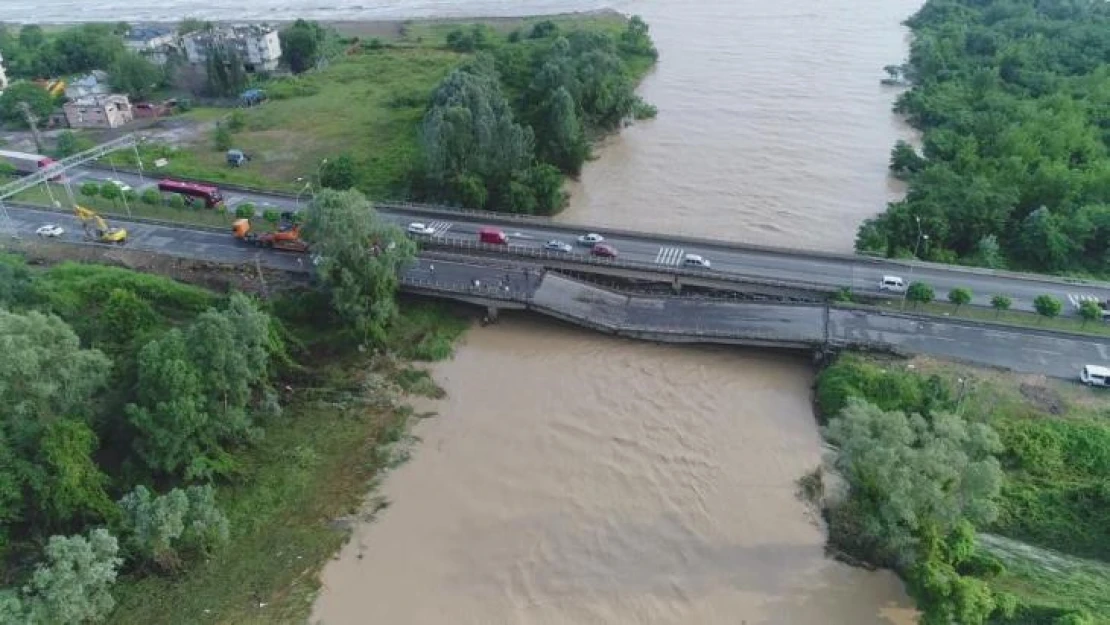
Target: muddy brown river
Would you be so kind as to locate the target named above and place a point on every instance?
(574, 478)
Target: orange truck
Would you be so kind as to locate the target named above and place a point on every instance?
(286, 237)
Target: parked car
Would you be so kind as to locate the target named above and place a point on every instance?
(492, 235)
(420, 229)
(694, 260)
(50, 230)
(592, 238)
(558, 246)
(604, 250)
(893, 284)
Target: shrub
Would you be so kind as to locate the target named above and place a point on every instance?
(151, 197)
(244, 210)
(90, 189)
(177, 201)
(236, 121)
(1047, 306)
(1000, 303)
(959, 296)
(271, 215)
(920, 293)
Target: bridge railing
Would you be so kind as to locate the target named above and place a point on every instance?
(552, 258)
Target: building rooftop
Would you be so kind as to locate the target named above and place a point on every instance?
(147, 33)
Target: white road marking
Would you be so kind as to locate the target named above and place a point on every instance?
(669, 255)
(440, 227)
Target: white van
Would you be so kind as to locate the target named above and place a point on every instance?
(1094, 375)
(893, 284)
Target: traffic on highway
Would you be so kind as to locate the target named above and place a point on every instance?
(858, 273)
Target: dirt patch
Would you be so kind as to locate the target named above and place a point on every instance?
(246, 278)
(1044, 398)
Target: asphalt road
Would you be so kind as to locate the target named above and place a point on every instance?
(862, 274)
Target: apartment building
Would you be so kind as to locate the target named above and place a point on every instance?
(256, 45)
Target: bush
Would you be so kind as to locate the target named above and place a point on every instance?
(151, 197)
(130, 195)
(1047, 306)
(244, 210)
(177, 201)
(221, 138)
(162, 530)
(920, 293)
(236, 121)
(90, 189)
(291, 87)
(271, 215)
(959, 296)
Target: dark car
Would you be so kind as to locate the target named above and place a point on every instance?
(604, 250)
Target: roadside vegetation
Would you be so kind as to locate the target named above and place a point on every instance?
(932, 456)
(1011, 99)
(170, 454)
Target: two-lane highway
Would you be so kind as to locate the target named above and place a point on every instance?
(861, 274)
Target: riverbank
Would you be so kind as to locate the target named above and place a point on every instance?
(1038, 490)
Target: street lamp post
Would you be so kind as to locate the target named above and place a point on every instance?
(917, 247)
(307, 186)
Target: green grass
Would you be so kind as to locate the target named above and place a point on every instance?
(1010, 317)
(108, 208)
(1045, 578)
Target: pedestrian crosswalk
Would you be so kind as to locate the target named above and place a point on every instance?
(669, 255)
(440, 227)
(1077, 299)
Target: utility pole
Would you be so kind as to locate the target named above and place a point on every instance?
(33, 122)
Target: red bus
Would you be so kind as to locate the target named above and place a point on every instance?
(26, 164)
(211, 195)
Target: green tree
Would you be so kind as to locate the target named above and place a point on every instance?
(90, 189)
(360, 256)
(912, 475)
(71, 485)
(562, 141)
(110, 191)
(1000, 303)
(73, 584)
(67, 144)
(87, 47)
(1089, 310)
(904, 160)
(338, 173)
(469, 134)
(169, 414)
(959, 296)
(135, 75)
(1047, 306)
(300, 45)
(221, 138)
(920, 293)
(37, 99)
(177, 201)
(165, 529)
(244, 211)
(151, 197)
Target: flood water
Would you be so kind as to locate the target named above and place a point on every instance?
(576, 479)
(573, 478)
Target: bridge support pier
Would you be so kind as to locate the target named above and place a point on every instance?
(491, 315)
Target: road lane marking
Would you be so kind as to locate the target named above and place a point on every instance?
(1077, 299)
(669, 255)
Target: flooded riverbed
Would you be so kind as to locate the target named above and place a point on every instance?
(574, 478)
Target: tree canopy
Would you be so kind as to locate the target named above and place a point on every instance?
(1011, 97)
(358, 259)
(300, 45)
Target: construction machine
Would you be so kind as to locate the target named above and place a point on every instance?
(96, 228)
(286, 237)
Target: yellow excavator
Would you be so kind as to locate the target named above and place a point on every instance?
(96, 228)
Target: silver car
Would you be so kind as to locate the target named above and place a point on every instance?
(558, 246)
